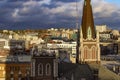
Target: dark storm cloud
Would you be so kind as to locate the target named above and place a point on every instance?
(33, 13)
(66, 0)
(24, 14)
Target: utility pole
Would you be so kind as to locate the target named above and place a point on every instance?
(78, 35)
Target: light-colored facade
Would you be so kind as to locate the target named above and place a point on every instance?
(9, 46)
(70, 46)
(101, 28)
(4, 43)
(37, 41)
(63, 33)
(89, 49)
(105, 36)
(89, 38)
(10, 43)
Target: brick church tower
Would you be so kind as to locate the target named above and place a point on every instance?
(89, 49)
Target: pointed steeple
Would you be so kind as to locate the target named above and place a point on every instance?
(89, 50)
(88, 28)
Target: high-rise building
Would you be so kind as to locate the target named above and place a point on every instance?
(89, 41)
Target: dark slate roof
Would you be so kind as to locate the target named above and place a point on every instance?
(77, 70)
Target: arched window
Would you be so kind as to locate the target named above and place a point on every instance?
(40, 69)
(93, 53)
(48, 69)
(72, 77)
(85, 53)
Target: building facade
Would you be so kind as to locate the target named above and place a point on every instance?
(14, 68)
(44, 67)
(69, 47)
(102, 28)
(4, 43)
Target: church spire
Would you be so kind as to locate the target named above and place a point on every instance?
(89, 50)
(88, 28)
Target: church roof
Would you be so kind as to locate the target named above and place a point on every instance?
(79, 71)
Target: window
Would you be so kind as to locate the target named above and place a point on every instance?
(93, 53)
(85, 52)
(72, 77)
(0, 67)
(40, 69)
(12, 78)
(89, 34)
(12, 75)
(85, 2)
(83, 78)
(19, 75)
(48, 69)
(11, 68)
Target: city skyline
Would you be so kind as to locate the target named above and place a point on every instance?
(42, 14)
(59, 54)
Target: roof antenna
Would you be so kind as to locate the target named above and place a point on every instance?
(76, 14)
(77, 48)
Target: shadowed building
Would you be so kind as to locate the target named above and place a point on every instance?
(89, 41)
(70, 71)
(44, 67)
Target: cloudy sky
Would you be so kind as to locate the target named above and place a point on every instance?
(39, 14)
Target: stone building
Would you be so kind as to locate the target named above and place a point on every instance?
(14, 67)
(44, 67)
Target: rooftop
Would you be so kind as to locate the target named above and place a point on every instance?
(15, 59)
(78, 70)
(104, 73)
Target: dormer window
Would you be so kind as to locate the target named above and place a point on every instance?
(89, 33)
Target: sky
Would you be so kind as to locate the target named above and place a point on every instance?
(42, 14)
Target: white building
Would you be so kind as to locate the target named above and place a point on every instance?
(4, 43)
(101, 28)
(105, 36)
(10, 43)
(63, 45)
(31, 37)
(37, 41)
(71, 46)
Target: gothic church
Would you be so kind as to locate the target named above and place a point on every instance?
(89, 48)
